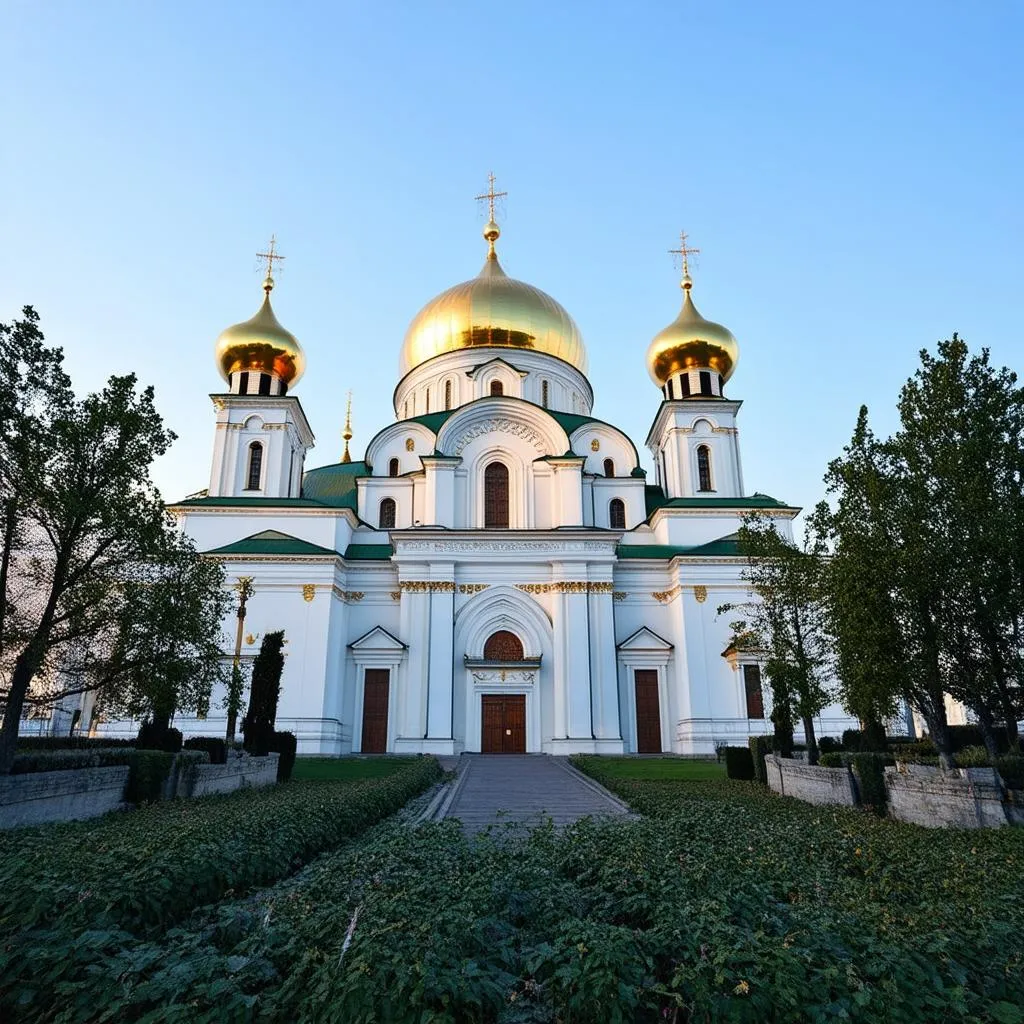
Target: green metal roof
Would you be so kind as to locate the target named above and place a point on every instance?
(433, 421)
(334, 485)
(366, 552)
(271, 542)
(246, 502)
(656, 499)
(723, 547)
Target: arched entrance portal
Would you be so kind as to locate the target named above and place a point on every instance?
(505, 636)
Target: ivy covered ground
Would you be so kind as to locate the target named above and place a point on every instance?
(721, 903)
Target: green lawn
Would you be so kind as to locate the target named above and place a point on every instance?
(349, 768)
(660, 768)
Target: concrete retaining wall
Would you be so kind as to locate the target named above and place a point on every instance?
(240, 772)
(60, 796)
(813, 785)
(960, 798)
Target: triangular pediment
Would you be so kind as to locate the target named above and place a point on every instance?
(490, 362)
(645, 639)
(378, 639)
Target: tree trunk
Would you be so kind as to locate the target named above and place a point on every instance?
(809, 739)
(1009, 717)
(22, 675)
(985, 724)
(5, 561)
(938, 729)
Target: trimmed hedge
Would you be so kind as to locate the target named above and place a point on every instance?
(738, 763)
(145, 871)
(59, 760)
(215, 746)
(32, 743)
(153, 737)
(148, 772)
(869, 771)
(285, 745)
(760, 747)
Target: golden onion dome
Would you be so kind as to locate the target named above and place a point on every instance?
(492, 310)
(261, 345)
(690, 342)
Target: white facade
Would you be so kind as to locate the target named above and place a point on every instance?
(389, 576)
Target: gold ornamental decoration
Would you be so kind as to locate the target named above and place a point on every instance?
(566, 587)
(665, 596)
(410, 444)
(595, 445)
(472, 588)
(700, 592)
(308, 591)
(427, 586)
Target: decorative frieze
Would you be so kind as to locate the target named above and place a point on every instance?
(499, 426)
(472, 588)
(665, 596)
(566, 587)
(503, 675)
(427, 586)
(396, 595)
(502, 547)
(619, 595)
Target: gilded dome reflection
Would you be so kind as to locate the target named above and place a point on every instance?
(690, 342)
(261, 345)
(492, 310)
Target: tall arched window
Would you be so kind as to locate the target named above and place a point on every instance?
(496, 496)
(609, 467)
(252, 480)
(393, 467)
(617, 514)
(704, 468)
(497, 388)
(386, 519)
(503, 646)
(544, 393)
(447, 394)
(428, 400)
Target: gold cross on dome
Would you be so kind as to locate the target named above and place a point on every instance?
(684, 252)
(270, 255)
(490, 195)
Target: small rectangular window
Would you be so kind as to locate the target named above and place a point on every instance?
(705, 382)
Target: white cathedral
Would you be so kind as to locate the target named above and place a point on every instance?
(496, 574)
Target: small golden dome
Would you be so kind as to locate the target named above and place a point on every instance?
(261, 345)
(492, 311)
(690, 342)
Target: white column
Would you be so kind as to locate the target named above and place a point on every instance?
(572, 663)
(603, 667)
(439, 698)
(439, 496)
(568, 490)
(414, 615)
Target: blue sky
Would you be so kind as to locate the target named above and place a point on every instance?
(851, 172)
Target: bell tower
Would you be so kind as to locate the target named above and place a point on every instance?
(694, 439)
(262, 434)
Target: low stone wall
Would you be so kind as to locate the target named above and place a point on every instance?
(959, 798)
(240, 771)
(39, 797)
(812, 784)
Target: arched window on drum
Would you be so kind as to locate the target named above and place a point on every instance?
(503, 646)
(496, 496)
(617, 514)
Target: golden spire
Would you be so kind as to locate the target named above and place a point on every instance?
(347, 432)
(685, 252)
(270, 255)
(491, 229)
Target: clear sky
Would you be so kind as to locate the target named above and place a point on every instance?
(851, 172)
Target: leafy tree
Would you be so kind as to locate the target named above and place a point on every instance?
(83, 517)
(788, 622)
(233, 700)
(926, 528)
(169, 649)
(264, 693)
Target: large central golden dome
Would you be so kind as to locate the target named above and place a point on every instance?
(492, 311)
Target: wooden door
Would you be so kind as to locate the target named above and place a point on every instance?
(648, 712)
(375, 711)
(503, 724)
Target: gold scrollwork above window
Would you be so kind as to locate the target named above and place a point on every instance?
(427, 586)
(665, 596)
(566, 587)
(472, 588)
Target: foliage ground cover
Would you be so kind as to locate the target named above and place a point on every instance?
(662, 768)
(723, 903)
(349, 768)
(145, 870)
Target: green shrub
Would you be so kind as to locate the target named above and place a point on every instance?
(58, 760)
(961, 736)
(284, 744)
(153, 736)
(28, 743)
(828, 745)
(918, 752)
(833, 759)
(1011, 768)
(739, 764)
(973, 757)
(148, 770)
(215, 746)
(760, 747)
(143, 871)
(872, 738)
(869, 771)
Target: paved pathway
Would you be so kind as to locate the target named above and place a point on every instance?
(494, 788)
